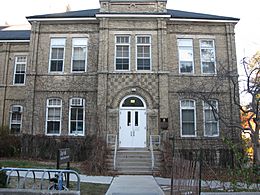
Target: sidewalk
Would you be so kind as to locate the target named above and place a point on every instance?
(134, 185)
(83, 178)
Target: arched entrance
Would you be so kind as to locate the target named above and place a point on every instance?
(132, 122)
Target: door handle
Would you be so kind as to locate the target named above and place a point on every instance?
(133, 133)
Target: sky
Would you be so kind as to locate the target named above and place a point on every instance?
(247, 30)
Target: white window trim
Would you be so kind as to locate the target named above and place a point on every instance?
(195, 118)
(86, 57)
(201, 66)
(11, 112)
(15, 64)
(204, 120)
(193, 67)
(64, 53)
(122, 44)
(84, 120)
(145, 44)
(46, 119)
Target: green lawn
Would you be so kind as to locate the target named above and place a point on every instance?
(24, 164)
(33, 164)
(93, 189)
(85, 188)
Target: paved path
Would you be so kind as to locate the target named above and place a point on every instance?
(83, 178)
(134, 185)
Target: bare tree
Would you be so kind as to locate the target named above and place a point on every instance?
(226, 82)
(252, 109)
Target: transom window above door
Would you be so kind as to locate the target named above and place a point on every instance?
(133, 102)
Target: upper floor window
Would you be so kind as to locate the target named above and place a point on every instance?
(143, 52)
(57, 54)
(77, 116)
(53, 116)
(16, 119)
(20, 70)
(207, 52)
(188, 118)
(186, 64)
(79, 54)
(122, 57)
(211, 123)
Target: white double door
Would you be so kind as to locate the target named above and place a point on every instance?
(132, 128)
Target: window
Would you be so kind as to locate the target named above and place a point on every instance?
(53, 115)
(122, 52)
(77, 116)
(16, 119)
(57, 54)
(185, 48)
(207, 52)
(211, 124)
(79, 54)
(188, 118)
(143, 52)
(20, 70)
(133, 102)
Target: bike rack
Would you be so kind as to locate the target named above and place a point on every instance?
(25, 174)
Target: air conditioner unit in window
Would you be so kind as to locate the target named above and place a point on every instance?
(77, 102)
(17, 109)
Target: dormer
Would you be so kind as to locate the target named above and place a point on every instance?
(133, 6)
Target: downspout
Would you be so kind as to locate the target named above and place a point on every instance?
(229, 52)
(5, 80)
(34, 63)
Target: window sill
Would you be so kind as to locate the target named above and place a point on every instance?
(49, 135)
(213, 136)
(209, 74)
(189, 136)
(56, 73)
(78, 72)
(74, 135)
(19, 85)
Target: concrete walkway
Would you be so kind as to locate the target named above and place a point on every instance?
(134, 185)
(83, 178)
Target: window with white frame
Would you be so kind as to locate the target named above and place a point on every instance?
(20, 70)
(143, 52)
(53, 116)
(207, 52)
(211, 123)
(122, 57)
(77, 116)
(57, 54)
(188, 118)
(79, 54)
(186, 64)
(16, 119)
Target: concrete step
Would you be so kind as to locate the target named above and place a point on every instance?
(134, 161)
(130, 172)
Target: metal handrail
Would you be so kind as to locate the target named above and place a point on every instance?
(115, 151)
(151, 149)
(42, 171)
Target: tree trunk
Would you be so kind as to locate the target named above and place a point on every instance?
(257, 155)
(255, 140)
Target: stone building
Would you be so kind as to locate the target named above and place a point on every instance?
(131, 68)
